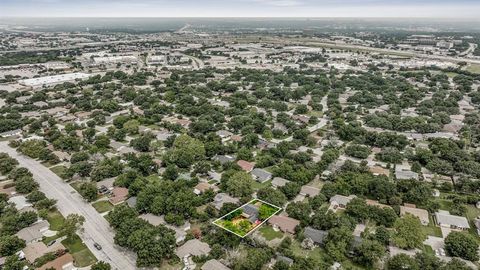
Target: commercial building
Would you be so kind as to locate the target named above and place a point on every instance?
(53, 80)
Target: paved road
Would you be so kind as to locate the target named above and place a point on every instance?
(96, 228)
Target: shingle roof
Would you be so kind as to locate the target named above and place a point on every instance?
(285, 224)
(448, 219)
(317, 236)
(214, 265)
(193, 247)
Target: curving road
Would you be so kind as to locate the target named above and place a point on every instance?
(96, 228)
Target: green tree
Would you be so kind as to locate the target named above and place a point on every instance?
(186, 150)
(101, 266)
(72, 224)
(369, 252)
(402, 262)
(88, 190)
(408, 232)
(463, 245)
(240, 184)
(10, 244)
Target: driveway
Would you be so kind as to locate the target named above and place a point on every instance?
(96, 228)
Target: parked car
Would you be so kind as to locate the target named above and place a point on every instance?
(97, 246)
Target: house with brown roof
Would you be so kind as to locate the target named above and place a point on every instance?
(245, 165)
(193, 247)
(283, 223)
(61, 263)
(119, 195)
(309, 191)
(36, 250)
(201, 187)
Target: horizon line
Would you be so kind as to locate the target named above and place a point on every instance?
(240, 17)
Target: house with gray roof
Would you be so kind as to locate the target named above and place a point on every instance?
(250, 212)
(340, 201)
(317, 236)
(213, 265)
(193, 247)
(224, 158)
(222, 198)
(405, 175)
(261, 175)
(279, 182)
(445, 219)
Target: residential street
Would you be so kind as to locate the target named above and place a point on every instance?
(96, 228)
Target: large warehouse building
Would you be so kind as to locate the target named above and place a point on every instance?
(53, 80)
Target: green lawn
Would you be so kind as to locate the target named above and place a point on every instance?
(55, 219)
(102, 206)
(82, 255)
(257, 185)
(269, 233)
(432, 230)
(59, 170)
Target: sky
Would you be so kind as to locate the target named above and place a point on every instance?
(467, 9)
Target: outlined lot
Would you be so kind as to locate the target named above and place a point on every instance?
(248, 217)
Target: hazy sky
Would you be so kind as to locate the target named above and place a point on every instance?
(241, 8)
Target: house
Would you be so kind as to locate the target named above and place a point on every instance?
(376, 203)
(245, 165)
(283, 223)
(34, 232)
(279, 182)
(63, 262)
(477, 225)
(213, 265)
(261, 175)
(62, 156)
(225, 135)
(224, 158)
(405, 175)
(201, 187)
(309, 191)
(213, 175)
(132, 202)
(377, 170)
(284, 259)
(11, 133)
(20, 202)
(193, 247)
(180, 231)
(422, 214)
(106, 183)
(317, 236)
(36, 250)
(222, 198)
(119, 195)
(446, 220)
(250, 212)
(340, 202)
(263, 144)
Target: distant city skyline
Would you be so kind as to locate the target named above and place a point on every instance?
(466, 9)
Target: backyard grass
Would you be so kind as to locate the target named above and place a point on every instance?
(82, 255)
(102, 206)
(269, 233)
(59, 170)
(431, 229)
(246, 218)
(257, 185)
